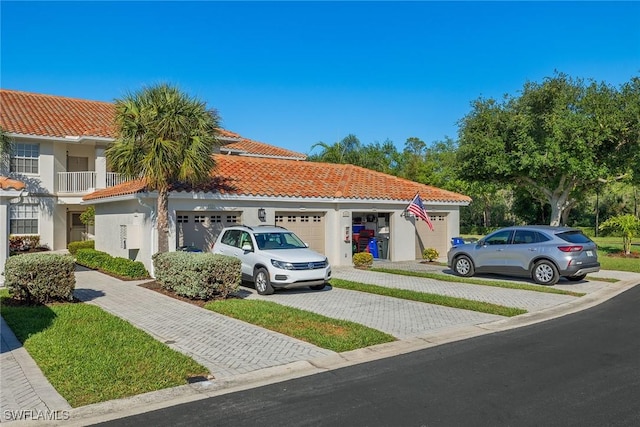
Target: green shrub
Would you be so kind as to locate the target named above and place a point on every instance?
(430, 254)
(23, 242)
(40, 278)
(73, 247)
(104, 262)
(363, 260)
(197, 275)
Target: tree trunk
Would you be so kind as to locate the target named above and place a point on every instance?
(163, 220)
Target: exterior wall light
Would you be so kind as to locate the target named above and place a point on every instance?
(262, 214)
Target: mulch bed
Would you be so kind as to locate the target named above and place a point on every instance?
(633, 255)
(155, 286)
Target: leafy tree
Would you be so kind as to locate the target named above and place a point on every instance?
(625, 225)
(558, 138)
(164, 136)
(88, 217)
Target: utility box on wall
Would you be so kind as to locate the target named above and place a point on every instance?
(130, 236)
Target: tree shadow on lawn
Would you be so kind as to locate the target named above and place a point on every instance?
(24, 320)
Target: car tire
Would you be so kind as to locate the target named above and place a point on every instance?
(545, 273)
(262, 282)
(463, 266)
(576, 278)
(317, 287)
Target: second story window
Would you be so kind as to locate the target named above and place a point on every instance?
(25, 158)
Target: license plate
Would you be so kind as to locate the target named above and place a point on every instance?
(589, 253)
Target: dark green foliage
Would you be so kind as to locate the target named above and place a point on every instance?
(73, 247)
(104, 262)
(40, 278)
(197, 275)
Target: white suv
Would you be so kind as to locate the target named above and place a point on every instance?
(273, 257)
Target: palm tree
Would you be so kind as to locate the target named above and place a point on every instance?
(163, 137)
(5, 150)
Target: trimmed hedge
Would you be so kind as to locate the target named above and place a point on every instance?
(104, 262)
(40, 278)
(197, 275)
(73, 247)
(363, 259)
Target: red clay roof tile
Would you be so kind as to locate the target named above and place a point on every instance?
(55, 116)
(9, 184)
(255, 176)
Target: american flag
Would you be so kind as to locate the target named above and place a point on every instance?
(417, 208)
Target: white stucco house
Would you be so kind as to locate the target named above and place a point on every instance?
(60, 158)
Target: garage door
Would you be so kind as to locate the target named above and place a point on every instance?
(309, 226)
(437, 239)
(200, 229)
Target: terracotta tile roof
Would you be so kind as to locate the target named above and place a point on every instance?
(255, 148)
(10, 184)
(47, 115)
(254, 176)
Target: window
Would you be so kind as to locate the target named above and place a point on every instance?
(499, 238)
(25, 158)
(23, 219)
(216, 218)
(198, 218)
(232, 219)
(182, 219)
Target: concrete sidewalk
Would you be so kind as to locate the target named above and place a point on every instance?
(240, 355)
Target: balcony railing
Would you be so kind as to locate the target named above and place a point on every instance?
(82, 182)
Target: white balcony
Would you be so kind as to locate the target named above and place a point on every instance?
(83, 182)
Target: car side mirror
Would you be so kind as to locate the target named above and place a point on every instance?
(306, 244)
(482, 242)
(247, 248)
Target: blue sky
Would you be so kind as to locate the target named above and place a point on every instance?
(292, 74)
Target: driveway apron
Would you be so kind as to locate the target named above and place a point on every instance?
(528, 300)
(401, 318)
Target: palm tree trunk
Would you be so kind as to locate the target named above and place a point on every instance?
(163, 220)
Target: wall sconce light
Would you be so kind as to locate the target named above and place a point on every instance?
(262, 214)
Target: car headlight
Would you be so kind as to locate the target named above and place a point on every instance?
(281, 264)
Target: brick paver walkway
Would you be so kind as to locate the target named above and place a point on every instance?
(225, 346)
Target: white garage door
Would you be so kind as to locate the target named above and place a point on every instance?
(437, 239)
(309, 226)
(200, 229)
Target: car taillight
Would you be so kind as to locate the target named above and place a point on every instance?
(570, 248)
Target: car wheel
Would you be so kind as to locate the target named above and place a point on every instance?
(576, 278)
(262, 282)
(318, 287)
(463, 266)
(545, 273)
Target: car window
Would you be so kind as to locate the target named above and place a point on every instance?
(574, 237)
(232, 238)
(245, 239)
(525, 237)
(541, 237)
(499, 238)
(286, 240)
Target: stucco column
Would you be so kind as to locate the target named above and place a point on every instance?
(101, 168)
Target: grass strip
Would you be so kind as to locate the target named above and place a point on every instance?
(447, 301)
(322, 331)
(483, 282)
(91, 356)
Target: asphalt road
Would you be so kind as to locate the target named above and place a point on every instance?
(578, 370)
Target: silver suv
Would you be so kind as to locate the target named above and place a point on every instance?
(273, 257)
(541, 252)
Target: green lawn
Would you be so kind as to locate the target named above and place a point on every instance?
(91, 356)
(325, 332)
(465, 304)
(613, 245)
